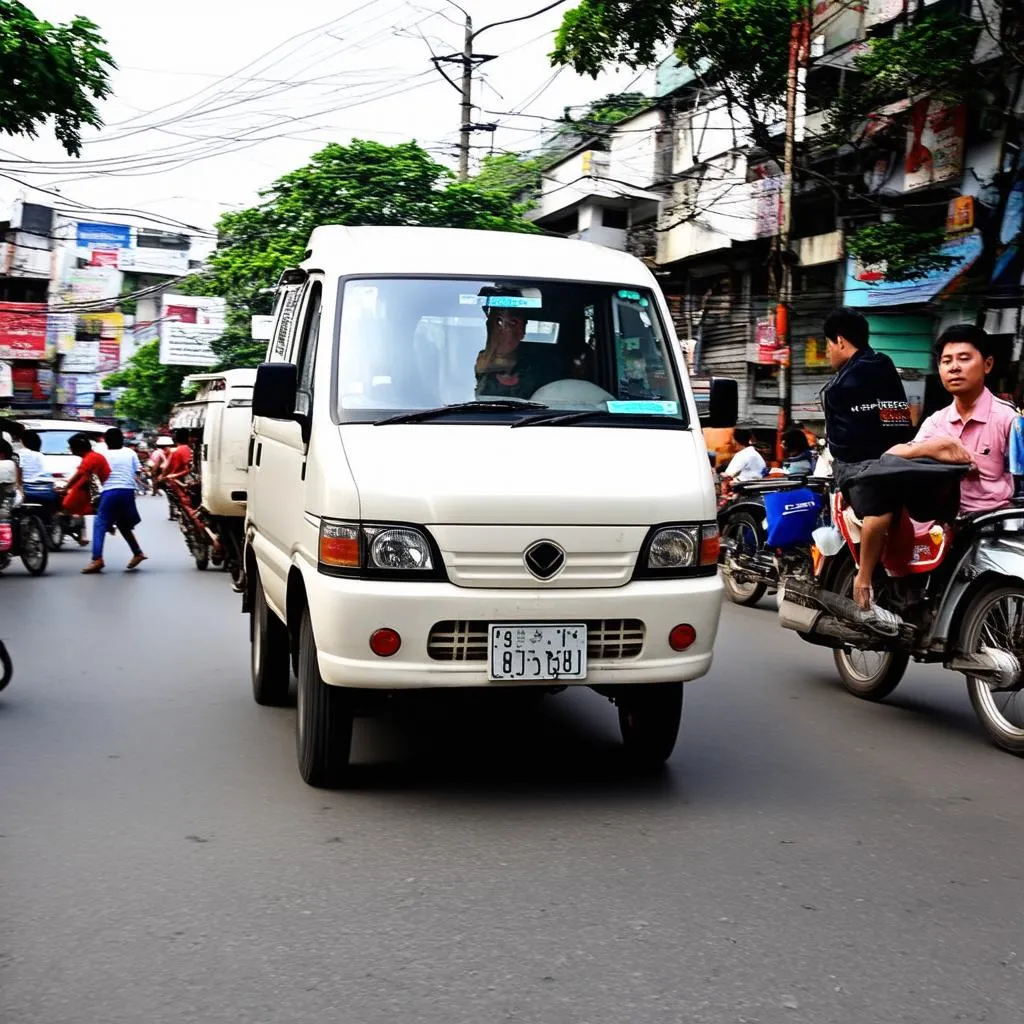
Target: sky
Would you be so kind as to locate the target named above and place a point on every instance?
(214, 99)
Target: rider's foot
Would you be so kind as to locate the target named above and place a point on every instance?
(93, 567)
(136, 561)
(83, 542)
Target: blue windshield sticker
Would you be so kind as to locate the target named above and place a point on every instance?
(513, 301)
(651, 406)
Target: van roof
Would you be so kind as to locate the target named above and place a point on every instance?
(83, 426)
(336, 249)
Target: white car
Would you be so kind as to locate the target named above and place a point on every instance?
(55, 434)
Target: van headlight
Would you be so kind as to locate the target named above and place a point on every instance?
(377, 550)
(679, 549)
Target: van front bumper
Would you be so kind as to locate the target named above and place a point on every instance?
(345, 612)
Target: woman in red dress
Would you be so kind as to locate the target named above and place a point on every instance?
(77, 498)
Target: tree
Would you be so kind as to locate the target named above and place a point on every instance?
(745, 42)
(150, 387)
(743, 48)
(510, 174)
(46, 71)
(358, 184)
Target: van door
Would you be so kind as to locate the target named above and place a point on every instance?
(279, 461)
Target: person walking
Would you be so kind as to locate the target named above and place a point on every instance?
(117, 503)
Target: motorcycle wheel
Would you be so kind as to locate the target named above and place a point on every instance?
(55, 534)
(996, 617)
(870, 675)
(6, 666)
(202, 558)
(34, 554)
(746, 536)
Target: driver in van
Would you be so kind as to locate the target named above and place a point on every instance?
(502, 371)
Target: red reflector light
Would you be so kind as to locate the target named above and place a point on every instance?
(682, 637)
(6, 537)
(385, 642)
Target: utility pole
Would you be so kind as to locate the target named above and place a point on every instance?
(469, 61)
(466, 106)
(799, 40)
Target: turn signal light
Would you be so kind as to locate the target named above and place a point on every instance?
(385, 642)
(339, 545)
(710, 545)
(682, 637)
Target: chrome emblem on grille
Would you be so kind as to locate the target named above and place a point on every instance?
(544, 559)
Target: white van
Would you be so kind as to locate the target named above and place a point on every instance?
(477, 462)
(221, 410)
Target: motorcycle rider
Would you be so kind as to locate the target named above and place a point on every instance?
(748, 463)
(866, 414)
(975, 427)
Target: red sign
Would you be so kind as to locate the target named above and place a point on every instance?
(183, 314)
(104, 258)
(22, 330)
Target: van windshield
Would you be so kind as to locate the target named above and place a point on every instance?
(408, 344)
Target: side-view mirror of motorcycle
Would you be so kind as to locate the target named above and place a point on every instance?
(723, 403)
(274, 393)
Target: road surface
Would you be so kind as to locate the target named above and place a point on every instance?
(805, 858)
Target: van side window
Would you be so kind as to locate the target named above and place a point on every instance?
(306, 357)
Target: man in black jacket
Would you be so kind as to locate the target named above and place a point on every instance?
(866, 413)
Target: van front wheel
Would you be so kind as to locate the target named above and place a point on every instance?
(649, 716)
(323, 719)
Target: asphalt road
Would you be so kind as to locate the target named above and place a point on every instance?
(806, 857)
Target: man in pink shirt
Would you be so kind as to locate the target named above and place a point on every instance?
(975, 428)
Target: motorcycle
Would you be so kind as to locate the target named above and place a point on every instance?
(957, 588)
(59, 525)
(749, 565)
(203, 543)
(22, 533)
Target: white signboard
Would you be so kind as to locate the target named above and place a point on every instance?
(153, 261)
(84, 357)
(262, 328)
(6, 381)
(188, 326)
(88, 284)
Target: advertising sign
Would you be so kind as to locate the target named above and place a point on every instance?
(935, 144)
(104, 258)
(89, 284)
(103, 236)
(22, 330)
(189, 324)
(6, 381)
(84, 356)
(868, 286)
(108, 328)
(152, 261)
(60, 332)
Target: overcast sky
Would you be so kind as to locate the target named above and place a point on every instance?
(213, 99)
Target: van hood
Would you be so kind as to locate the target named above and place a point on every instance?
(469, 474)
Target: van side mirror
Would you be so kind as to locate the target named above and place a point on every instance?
(273, 394)
(723, 402)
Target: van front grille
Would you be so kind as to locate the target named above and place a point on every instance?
(607, 639)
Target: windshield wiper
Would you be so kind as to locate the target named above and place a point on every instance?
(421, 415)
(627, 419)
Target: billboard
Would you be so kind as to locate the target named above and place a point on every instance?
(188, 326)
(153, 261)
(84, 356)
(108, 329)
(22, 330)
(103, 236)
(935, 144)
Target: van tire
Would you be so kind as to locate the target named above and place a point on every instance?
(649, 717)
(323, 719)
(270, 663)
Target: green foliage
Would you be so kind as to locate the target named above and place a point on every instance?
(151, 387)
(745, 41)
(907, 254)
(932, 56)
(361, 183)
(509, 174)
(605, 112)
(50, 71)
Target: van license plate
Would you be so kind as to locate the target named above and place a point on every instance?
(526, 652)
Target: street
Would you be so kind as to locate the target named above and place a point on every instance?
(805, 858)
